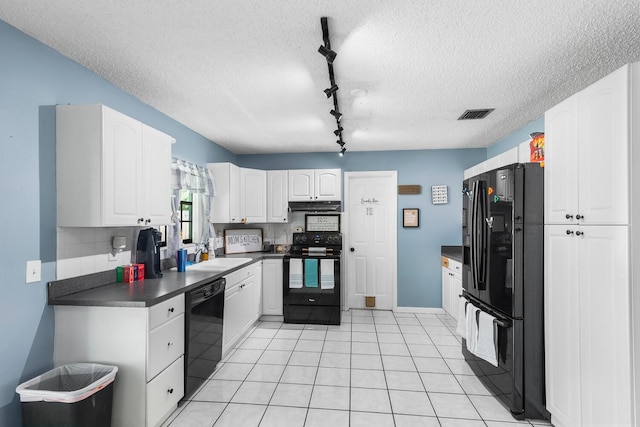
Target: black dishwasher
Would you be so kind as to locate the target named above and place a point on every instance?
(204, 309)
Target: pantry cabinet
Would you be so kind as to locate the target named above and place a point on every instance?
(111, 170)
(147, 346)
(315, 185)
(277, 196)
(587, 150)
(590, 330)
(242, 304)
(588, 350)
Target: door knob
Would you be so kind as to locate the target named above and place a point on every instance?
(352, 249)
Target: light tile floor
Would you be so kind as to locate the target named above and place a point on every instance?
(376, 369)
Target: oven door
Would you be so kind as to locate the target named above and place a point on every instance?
(311, 280)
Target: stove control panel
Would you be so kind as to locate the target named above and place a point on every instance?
(317, 239)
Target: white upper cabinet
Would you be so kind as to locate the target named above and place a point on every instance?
(111, 170)
(225, 207)
(277, 196)
(253, 195)
(241, 194)
(587, 155)
(315, 185)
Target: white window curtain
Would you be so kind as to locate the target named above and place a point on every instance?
(199, 181)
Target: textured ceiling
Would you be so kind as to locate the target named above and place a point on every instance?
(247, 74)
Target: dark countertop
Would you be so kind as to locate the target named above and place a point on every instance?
(144, 293)
(452, 252)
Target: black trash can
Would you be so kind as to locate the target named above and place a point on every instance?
(76, 395)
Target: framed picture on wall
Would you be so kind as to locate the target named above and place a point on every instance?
(410, 218)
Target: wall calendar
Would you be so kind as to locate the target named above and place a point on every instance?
(439, 194)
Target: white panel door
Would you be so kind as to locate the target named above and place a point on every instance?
(121, 175)
(603, 150)
(562, 324)
(561, 163)
(156, 166)
(605, 319)
(277, 196)
(371, 238)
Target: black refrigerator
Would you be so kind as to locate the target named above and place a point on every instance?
(503, 244)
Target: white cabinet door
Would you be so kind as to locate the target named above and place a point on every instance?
(233, 317)
(603, 150)
(121, 169)
(562, 325)
(456, 291)
(253, 195)
(446, 290)
(605, 332)
(164, 393)
(328, 184)
(272, 294)
(301, 185)
(226, 204)
(561, 163)
(156, 167)
(277, 196)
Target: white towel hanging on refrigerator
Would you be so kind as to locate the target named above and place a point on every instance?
(462, 317)
(472, 327)
(486, 347)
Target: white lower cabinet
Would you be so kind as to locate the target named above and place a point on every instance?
(451, 286)
(588, 347)
(147, 346)
(242, 304)
(272, 304)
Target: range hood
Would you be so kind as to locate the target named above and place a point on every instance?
(321, 206)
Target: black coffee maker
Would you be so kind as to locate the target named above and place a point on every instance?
(148, 252)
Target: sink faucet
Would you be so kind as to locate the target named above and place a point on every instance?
(198, 254)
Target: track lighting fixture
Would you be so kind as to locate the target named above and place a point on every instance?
(327, 53)
(333, 89)
(330, 56)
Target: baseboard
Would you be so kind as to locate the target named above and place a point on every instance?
(419, 310)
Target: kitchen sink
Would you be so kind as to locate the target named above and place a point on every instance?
(217, 264)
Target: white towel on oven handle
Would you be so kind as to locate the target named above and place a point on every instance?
(295, 273)
(486, 347)
(327, 280)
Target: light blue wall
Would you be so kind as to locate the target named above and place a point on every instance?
(515, 138)
(33, 78)
(419, 272)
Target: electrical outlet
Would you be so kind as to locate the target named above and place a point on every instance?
(34, 271)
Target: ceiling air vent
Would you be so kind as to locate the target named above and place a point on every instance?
(475, 114)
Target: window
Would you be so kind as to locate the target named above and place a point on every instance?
(190, 218)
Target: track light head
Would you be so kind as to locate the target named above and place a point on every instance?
(341, 153)
(336, 114)
(338, 131)
(328, 54)
(333, 89)
(340, 143)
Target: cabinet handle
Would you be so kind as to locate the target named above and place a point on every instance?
(579, 216)
(147, 221)
(140, 220)
(568, 216)
(170, 391)
(171, 310)
(579, 233)
(169, 344)
(284, 219)
(569, 232)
